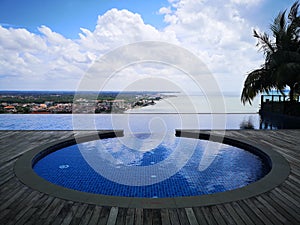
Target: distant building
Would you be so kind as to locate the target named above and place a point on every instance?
(43, 106)
(10, 108)
(49, 104)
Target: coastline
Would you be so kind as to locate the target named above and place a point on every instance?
(199, 104)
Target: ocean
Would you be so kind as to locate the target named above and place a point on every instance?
(201, 104)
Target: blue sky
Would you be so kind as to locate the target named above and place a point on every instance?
(51, 45)
(66, 17)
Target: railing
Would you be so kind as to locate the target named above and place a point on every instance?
(277, 98)
(280, 104)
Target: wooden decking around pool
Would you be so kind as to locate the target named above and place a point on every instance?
(20, 204)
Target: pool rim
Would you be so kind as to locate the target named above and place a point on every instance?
(280, 169)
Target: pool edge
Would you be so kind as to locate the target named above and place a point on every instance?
(279, 172)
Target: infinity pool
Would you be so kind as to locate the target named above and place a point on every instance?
(151, 166)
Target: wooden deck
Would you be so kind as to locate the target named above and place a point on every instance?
(20, 204)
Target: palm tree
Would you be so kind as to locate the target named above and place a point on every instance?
(282, 62)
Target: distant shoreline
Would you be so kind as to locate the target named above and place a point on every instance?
(60, 102)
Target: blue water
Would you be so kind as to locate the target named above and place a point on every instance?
(134, 122)
(130, 166)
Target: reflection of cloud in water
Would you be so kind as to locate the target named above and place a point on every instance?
(115, 161)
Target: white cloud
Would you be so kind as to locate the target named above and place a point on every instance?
(120, 27)
(246, 2)
(52, 58)
(165, 10)
(30, 55)
(220, 36)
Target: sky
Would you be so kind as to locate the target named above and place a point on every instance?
(54, 45)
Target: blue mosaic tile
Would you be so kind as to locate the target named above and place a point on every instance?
(231, 168)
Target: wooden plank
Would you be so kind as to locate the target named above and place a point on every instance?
(26, 216)
(70, 214)
(14, 187)
(63, 213)
(257, 211)
(241, 213)
(191, 216)
(9, 198)
(294, 215)
(121, 218)
(250, 212)
(3, 214)
(25, 205)
(279, 209)
(294, 189)
(165, 219)
(103, 218)
(199, 215)
(12, 198)
(112, 218)
(87, 215)
(79, 213)
(15, 207)
(174, 217)
(36, 205)
(272, 210)
(138, 216)
(147, 217)
(9, 186)
(6, 178)
(217, 215)
(9, 162)
(53, 210)
(182, 216)
(288, 199)
(6, 168)
(156, 217)
(294, 179)
(208, 215)
(266, 212)
(295, 170)
(41, 206)
(130, 217)
(95, 216)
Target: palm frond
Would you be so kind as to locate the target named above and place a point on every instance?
(264, 42)
(278, 29)
(257, 81)
(282, 57)
(294, 22)
(279, 24)
(294, 11)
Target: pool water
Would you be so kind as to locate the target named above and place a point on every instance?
(151, 166)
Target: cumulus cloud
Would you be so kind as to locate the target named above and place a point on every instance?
(165, 10)
(51, 58)
(120, 27)
(39, 57)
(219, 36)
(246, 2)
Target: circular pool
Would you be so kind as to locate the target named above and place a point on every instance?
(142, 165)
(152, 171)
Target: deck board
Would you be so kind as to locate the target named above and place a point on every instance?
(130, 217)
(165, 218)
(20, 204)
(199, 215)
(174, 217)
(251, 214)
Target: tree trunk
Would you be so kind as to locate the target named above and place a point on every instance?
(291, 93)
